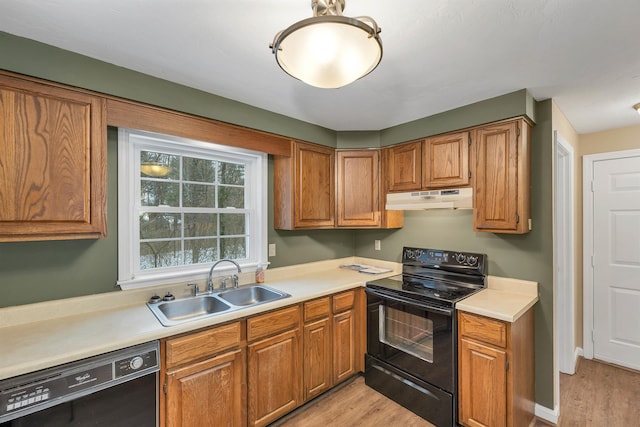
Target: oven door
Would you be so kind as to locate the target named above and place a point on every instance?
(412, 336)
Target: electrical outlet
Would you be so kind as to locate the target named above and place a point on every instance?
(272, 249)
(376, 245)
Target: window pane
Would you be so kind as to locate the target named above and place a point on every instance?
(199, 170)
(199, 196)
(159, 225)
(232, 224)
(233, 248)
(157, 193)
(160, 254)
(158, 165)
(197, 251)
(200, 225)
(231, 173)
(231, 197)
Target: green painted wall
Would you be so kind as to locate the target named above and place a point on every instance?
(41, 271)
(513, 104)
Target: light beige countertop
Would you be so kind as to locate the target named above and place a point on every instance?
(38, 336)
(503, 299)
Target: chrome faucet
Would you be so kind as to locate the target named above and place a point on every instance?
(223, 285)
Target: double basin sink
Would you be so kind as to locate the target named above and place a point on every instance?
(178, 311)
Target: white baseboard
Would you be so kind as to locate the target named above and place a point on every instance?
(549, 415)
(578, 353)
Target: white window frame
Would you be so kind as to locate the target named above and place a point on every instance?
(130, 143)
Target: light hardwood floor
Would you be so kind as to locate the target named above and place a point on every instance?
(598, 395)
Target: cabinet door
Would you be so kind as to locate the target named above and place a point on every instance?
(502, 178)
(358, 188)
(274, 380)
(53, 162)
(344, 346)
(314, 186)
(483, 385)
(445, 161)
(317, 358)
(404, 167)
(208, 393)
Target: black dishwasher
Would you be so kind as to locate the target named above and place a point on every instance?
(117, 389)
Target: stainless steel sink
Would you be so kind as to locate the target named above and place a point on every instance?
(178, 311)
(251, 295)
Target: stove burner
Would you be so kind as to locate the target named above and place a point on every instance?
(436, 275)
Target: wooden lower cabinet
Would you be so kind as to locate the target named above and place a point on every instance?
(203, 377)
(487, 405)
(208, 393)
(496, 371)
(274, 370)
(258, 369)
(317, 345)
(331, 348)
(344, 350)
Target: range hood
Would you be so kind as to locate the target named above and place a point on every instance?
(454, 198)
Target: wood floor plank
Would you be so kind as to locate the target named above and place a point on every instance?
(354, 404)
(598, 395)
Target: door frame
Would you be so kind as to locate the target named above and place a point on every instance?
(588, 162)
(564, 255)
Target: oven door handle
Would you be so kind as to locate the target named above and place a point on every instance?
(396, 298)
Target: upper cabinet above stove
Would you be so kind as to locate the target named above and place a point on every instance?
(436, 162)
(52, 161)
(494, 159)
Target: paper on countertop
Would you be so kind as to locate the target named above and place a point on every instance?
(367, 269)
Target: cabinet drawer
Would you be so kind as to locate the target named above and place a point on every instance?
(202, 344)
(483, 329)
(271, 323)
(343, 301)
(316, 309)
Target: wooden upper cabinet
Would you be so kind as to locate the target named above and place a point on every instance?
(304, 188)
(358, 188)
(403, 167)
(445, 160)
(502, 177)
(52, 162)
(309, 195)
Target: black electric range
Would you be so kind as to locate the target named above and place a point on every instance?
(412, 330)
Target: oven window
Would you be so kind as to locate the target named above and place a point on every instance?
(407, 332)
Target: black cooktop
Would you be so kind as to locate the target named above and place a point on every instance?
(423, 288)
(440, 276)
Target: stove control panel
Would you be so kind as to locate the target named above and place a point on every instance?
(436, 258)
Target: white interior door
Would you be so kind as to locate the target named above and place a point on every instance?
(616, 261)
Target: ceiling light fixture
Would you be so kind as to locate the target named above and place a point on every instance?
(329, 50)
(637, 107)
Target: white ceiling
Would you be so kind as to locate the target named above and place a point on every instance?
(438, 54)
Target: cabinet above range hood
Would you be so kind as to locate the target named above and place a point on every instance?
(454, 198)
